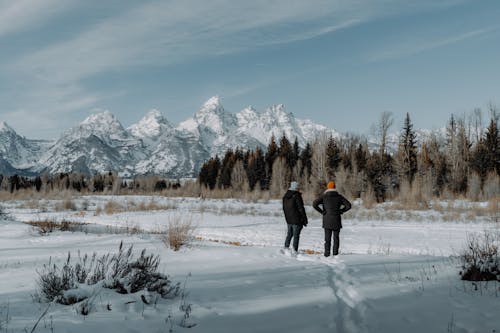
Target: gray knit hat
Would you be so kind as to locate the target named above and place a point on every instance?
(294, 186)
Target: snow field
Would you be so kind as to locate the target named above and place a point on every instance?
(391, 276)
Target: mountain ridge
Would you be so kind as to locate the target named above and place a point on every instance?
(153, 145)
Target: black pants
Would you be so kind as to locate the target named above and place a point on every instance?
(328, 241)
(293, 231)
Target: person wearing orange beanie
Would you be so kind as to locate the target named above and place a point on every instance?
(332, 205)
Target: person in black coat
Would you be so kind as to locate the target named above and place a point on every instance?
(331, 205)
(295, 215)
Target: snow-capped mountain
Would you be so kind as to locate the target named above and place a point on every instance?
(16, 151)
(219, 130)
(151, 127)
(153, 145)
(98, 144)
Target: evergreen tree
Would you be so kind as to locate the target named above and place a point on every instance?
(480, 160)
(271, 155)
(285, 151)
(306, 162)
(209, 172)
(226, 168)
(256, 170)
(379, 172)
(485, 157)
(406, 155)
(295, 153)
(361, 157)
(333, 158)
(492, 144)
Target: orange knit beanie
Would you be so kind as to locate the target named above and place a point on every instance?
(331, 185)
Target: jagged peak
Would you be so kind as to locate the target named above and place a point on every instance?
(151, 125)
(103, 124)
(154, 113)
(278, 113)
(213, 104)
(249, 109)
(153, 117)
(276, 108)
(4, 127)
(99, 117)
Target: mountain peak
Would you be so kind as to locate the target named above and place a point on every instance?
(214, 100)
(4, 127)
(103, 124)
(213, 104)
(100, 117)
(151, 125)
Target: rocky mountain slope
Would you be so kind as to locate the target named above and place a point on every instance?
(153, 145)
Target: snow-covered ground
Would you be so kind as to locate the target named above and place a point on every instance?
(396, 274)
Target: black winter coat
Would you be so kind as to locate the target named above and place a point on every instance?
(293, 207)
(333, 205)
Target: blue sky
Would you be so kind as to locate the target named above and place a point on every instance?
(337, 62)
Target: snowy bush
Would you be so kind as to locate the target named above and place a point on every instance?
(480, 259)
(120, 271)
(47, 226)
(3, 214)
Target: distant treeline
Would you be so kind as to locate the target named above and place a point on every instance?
(466, 163)
(107, 182)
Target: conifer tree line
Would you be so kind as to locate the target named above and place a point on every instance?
(465, 164)
(108, 182)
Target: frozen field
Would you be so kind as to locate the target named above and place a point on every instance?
(397, 271)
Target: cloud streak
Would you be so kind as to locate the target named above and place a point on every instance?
(161, 33)
(164, 33)
(22, 15)
(409, 49)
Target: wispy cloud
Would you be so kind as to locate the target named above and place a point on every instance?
(21, 15)
(408, 49)
(162, 33)
(168, 32)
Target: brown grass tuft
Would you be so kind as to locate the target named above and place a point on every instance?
(179, 232)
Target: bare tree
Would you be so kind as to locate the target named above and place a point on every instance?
(239, 180)
(458, 154)
(476, 124)
(319, 172)
(382, 129)
(279, 179)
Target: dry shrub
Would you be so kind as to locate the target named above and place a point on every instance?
(98, 211)
(474, 187)
(491, 187)
(411, 196)
(481, 258)
(32, 204)
(233, 243)
(368, 197)
(180, 232)
(66, 204)
(151, 205)
(493, 209)
(47, 226)
(119, 271)
(112, 207)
